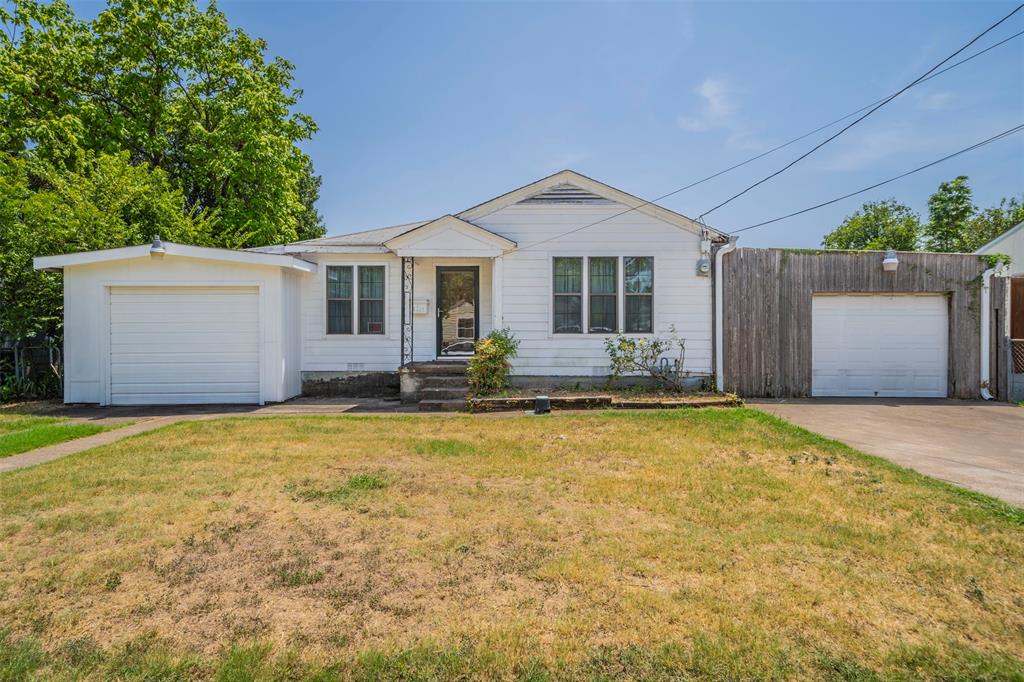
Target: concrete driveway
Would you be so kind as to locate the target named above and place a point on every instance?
(977, 445)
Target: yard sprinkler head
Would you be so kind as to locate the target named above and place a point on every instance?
(890, 262)
(158, 247)
(541, 404)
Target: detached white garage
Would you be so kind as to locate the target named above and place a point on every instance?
(877, 345)
(174, 324)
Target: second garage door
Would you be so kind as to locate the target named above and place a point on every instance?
(879, 346)
(172, 345)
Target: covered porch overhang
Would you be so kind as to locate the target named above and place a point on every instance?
(448, 244)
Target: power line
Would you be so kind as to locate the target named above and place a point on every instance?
(860, 118)
(994, 138)
(773, 149)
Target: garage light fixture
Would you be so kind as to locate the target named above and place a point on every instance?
(890, 262)
(158, 247)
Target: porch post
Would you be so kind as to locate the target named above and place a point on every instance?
(408, 272)
(497, 287)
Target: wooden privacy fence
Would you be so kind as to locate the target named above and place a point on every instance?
(767, 313)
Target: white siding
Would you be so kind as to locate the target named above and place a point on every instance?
(681, 298)
(323, 352)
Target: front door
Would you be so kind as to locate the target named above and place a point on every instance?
(458, 310)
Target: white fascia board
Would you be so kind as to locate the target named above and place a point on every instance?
(356, 248)
(172, 249)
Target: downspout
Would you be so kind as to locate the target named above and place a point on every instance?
(986, 330)
(719, 307)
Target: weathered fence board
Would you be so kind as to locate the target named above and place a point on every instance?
(767, 311)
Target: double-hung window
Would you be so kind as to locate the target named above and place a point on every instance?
(568, 293)
(638, 276)
(604, 302)
(355, 293)
(618, 292)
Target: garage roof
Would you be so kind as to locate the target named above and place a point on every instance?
(171, 249)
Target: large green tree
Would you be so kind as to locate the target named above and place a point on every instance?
(154, 117)
(878, 225)
(950, 211)
(179, 90)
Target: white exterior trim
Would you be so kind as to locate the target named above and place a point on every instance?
(171, 249)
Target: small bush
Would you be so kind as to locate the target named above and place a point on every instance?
(661, 359)
(491, 364)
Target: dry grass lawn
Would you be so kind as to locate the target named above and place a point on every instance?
(720, 544)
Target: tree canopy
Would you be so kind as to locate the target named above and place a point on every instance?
(877, 226)
(155, 117)
(954, 225)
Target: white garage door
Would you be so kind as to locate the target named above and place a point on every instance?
(884, 346)
(171, 345)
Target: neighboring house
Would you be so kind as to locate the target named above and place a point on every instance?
(1011, 243)
(564, 262)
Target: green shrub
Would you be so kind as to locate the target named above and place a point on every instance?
(491, 364)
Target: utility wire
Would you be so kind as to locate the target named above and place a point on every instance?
(860, 118)
(773, 149)
(994, 138)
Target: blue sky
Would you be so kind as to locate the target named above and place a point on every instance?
(428, 108)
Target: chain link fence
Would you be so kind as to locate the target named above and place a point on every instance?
(31, 369)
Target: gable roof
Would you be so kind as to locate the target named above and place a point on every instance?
(578, 182)
(473, 237)
(565, 186)
(994, 244)
(171, 249)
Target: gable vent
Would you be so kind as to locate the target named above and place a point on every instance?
(565, 194)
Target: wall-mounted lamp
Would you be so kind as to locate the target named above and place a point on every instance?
(890, 262)
(158, 247)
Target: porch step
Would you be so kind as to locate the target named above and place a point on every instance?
(440, 368)
(445, 381)
(447, 393)
(442, 405)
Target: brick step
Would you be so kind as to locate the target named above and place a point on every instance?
(445, 381)
(442, 405)
(447, 393)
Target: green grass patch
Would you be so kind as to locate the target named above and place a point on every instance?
(21, 433)
(448, 447)
(314, 491)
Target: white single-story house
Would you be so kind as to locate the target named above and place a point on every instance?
(1009, 243)
(564, 262)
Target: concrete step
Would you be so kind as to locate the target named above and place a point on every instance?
(446, 393)
(445, 381)
(443, 368)
(442, 405)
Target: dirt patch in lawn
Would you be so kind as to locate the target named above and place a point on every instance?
(683, 536)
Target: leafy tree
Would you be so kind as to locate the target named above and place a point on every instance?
(950, 212)
(46, 210)
(178, 89)
(992, 222)
(877, 225)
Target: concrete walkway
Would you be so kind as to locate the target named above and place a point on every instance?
(70, 447)
(974, 444)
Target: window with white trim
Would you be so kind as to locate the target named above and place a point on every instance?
(568, 295)
(638, 280)
(618, 292)
(355, 298)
